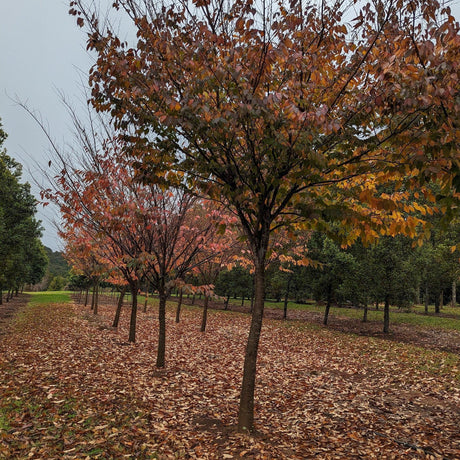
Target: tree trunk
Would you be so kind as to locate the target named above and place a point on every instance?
(242, 301)
(162, 325)
(285, 307)
(204, 318)
(96, 299)
(364, 320)
(286, 297)
(417, 293)
(376, 304)
(386, 315)
(441, 299)
(146, 299)
(425, 300)
(328, 305)
(436, 304)
(226, 302)
(454, 294)
(193, 299)
(93, 296)
(1, 297)
(86, 296)
(179, 305)
(246, 408)
(132, 322)
(116, 320)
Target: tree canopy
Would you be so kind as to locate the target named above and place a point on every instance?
(23, 258)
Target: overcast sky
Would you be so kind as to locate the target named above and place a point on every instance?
(42, 53)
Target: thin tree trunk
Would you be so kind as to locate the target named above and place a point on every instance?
(426, 300)
(179, 305)
(86, 296)
(146, 299)
(242, 301)
(246, 407)
(226, 302)
(454, 294)
(93, 296)
(386, 315)
(116, 320)
(417, 293)
(204, 318)
(285, 305)
(328, 306)
(193, 299)
(286, 297)
(364, 320)
(1, 296)
(376, 304)
(162, 326)
(436, 304)
(96, 298)
(132, 322)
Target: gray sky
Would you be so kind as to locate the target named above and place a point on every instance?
(43, 52)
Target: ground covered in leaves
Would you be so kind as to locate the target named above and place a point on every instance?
(72, 387)
(431, 338)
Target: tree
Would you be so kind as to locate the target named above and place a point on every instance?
(22, 255)
(334, 265)
(57, 268)
(218, 251)
(113, 221)
(282, 110)
(393, 274)
(179, 236)
(236, 282)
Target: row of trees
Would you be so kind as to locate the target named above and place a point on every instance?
(282, 111)
(392, 269)
(130, 234)
(22, 255)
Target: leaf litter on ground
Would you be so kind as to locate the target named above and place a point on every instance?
(72, 387)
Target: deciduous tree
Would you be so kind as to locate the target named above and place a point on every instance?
(283, 110)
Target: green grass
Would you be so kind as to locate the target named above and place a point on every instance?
(38, 311)
(415, 317)
(47, 297)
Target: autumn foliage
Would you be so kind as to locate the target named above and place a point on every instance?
(290, 113)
